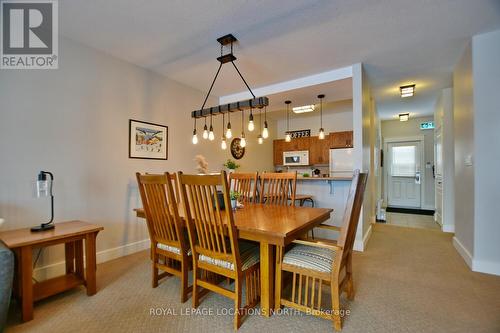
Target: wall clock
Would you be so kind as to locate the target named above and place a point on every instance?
(236, 149)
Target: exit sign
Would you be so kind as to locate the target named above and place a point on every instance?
(427, 125)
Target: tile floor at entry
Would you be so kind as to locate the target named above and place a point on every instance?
(412, 221)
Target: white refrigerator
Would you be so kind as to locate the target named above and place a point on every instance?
(341, 162)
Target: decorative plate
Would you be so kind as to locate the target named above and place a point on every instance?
(236, 149)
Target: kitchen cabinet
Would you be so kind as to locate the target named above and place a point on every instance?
(278, 149)
(341, 139)
(296, 144)
(319, 150)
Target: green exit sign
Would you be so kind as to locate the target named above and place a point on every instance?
(427, 125)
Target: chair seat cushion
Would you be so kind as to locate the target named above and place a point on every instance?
(172, 249)
(310, 257)
(249, 256)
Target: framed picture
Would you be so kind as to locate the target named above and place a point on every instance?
(147, 140)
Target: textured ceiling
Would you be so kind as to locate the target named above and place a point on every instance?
(399, 41)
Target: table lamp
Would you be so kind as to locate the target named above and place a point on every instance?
(44, 189)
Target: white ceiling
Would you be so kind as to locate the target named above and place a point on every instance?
(398, 41)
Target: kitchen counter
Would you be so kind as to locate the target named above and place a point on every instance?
(324, 178)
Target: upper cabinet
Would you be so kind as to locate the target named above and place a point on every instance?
(341, 139)
(319, 150)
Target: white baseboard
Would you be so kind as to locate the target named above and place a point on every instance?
(463, 251)
(448, 228)
(484, 266)
(360, 246)
(58, 268)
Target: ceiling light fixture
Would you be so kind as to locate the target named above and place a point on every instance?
(265, 131)
(260, 140)
(303, 109)
(288, 137)
(407, 91)
(254, 102)
(251, 125)
(229, 134)
(195, 136)
(243, 142)
(223, 143)
(404, 116)
(321, 134)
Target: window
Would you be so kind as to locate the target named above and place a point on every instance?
(403, 161)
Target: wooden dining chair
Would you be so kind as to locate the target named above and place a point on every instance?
(278, 188)
(314, 263)
(245, 184)
(170, 251)
(214, 241)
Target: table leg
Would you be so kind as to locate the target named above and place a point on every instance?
(79, 258)
(266, 278)
(69, 253)
(26, 282)
(90, 261)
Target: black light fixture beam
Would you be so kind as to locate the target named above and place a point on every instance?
(258, 102)
(255, 102)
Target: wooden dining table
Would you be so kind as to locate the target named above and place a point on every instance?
(271, 226)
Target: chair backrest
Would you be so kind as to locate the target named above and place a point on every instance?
(160, 207)
(208, 225)
(352, 212)
(173, 178)
(278, 188)
(245, 184)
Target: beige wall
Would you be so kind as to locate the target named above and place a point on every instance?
(401, 129)
(74, 122)
(464, 146)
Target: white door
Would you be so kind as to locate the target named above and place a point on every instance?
(404, 174)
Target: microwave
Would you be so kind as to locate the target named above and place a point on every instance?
(296, 157)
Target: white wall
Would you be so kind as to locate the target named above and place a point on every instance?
(74, 122)
(400, 129)
(464, 146)
(486, 73)
(337, 117)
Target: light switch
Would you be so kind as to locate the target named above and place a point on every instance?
(468, 160)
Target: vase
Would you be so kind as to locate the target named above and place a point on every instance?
(234, 204)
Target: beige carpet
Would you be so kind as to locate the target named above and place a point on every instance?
(408, 280)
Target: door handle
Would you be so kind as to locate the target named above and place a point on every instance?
(417, 177)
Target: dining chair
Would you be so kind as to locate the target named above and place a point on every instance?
(278, 188)
(170, 251)
(314, 263)
(214, 241)
(245, 184)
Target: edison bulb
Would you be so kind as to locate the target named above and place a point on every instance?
(229, 134)
(260, 140)
(205, 132)
(265, 132)
(195, 137)
(223, 144)
(243, 142)
(321, 135)
(211, 135)
(288, 137)
(251, 126)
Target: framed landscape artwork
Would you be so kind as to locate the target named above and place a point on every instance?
(147, 140)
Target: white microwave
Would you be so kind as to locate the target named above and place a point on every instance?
(296, 157)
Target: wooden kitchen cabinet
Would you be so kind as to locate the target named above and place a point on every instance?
(319, 151)
(341, 139)
(278, 149)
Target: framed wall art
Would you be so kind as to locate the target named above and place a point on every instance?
(147, 140)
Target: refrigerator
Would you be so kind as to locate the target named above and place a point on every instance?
(341, 162)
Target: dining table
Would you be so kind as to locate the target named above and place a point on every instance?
(271, 226)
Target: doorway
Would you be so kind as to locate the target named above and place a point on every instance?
(404, 173)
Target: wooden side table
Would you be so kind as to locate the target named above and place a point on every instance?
(71, 234)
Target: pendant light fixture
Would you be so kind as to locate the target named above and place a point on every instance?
(223, 143)
(288, 137)
(211, 135)
(260, 140)
(195, 136)
(265, 132)
(226, 45)
(251, 125)
(205, 130)
(243, 142)
(321, 134)
(229, 133)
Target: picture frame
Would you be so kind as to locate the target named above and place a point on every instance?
(147, 140)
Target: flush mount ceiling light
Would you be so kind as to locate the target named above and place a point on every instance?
(404, 116)
(254, 102)
(303, 109)
(407, 91)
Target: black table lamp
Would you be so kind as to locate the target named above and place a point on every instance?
(44, 189)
